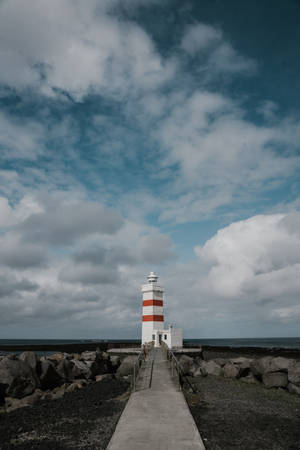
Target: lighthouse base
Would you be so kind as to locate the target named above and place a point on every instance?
(172, 337)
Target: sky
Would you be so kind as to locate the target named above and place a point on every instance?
(141, 135)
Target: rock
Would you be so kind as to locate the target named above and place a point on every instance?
(280, 364)
(115, 361)
(260, 366)
(211, 368)
(14, 403)
(89, 356)
(49, 377)
(126, 367)
(294, 374)
(29, 358)
(73, 387)
(275, 379)
(17, 378)
(220, 361)
(185, 364)
(105, 376)
(195, 370)
(231, 371)
(250, 379)
(64, 370)
(56, 357)
(243, 365)
(59, 391)
(80, 370)
(293, 389)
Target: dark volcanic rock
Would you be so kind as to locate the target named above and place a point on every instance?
(49, 377)
(17, 378)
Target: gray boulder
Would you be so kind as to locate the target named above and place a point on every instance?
(275, 379)
(30, 358)
(231, 371)
(280, 364)
(89, 356)
(17, 378)
(126, 367)
(185, 363)
(221, 361)
(211, 368)
(49, 378)
(294, 374)
(80, 370)
(293, 389)
(260, 366)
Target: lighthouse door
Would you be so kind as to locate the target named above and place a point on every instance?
(159, 337)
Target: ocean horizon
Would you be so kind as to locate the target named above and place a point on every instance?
(273, 342)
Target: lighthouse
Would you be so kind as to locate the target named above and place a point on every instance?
(153, 317)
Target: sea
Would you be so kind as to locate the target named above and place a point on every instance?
(274, 342)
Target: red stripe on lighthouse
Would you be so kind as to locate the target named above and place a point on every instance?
(152, 303)
(153, 318)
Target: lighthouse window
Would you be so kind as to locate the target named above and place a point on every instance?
(165, 337)
(153, 337)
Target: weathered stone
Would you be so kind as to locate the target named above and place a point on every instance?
(73, 387)
(185, 364)
(29, 358)
(105, 376)
(56, 357)
(250, 379)
(221, 361)
(89, 356)
(80, 370)
(294, 374)
(293, 389)
(260, 366)
(17, 378)
(280, 364)
(64, 369)
(49, 377)
(275, 379)
(126, 367)
(231, 371)
(211, 368)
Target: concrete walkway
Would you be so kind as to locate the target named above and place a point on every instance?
(157, 418)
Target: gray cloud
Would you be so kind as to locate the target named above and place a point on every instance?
(63, 224)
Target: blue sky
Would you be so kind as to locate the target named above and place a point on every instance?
(149, 135)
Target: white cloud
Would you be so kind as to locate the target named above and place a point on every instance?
(255, 259)
(200, 36)
(79, 49)
(218, 55)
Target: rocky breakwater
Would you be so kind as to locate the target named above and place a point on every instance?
(272, 372)
(26, 378)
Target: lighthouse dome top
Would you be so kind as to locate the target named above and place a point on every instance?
(152, 277)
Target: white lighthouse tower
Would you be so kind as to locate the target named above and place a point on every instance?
(153, 317)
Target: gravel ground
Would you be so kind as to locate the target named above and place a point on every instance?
(231, 414)
(85, 419)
